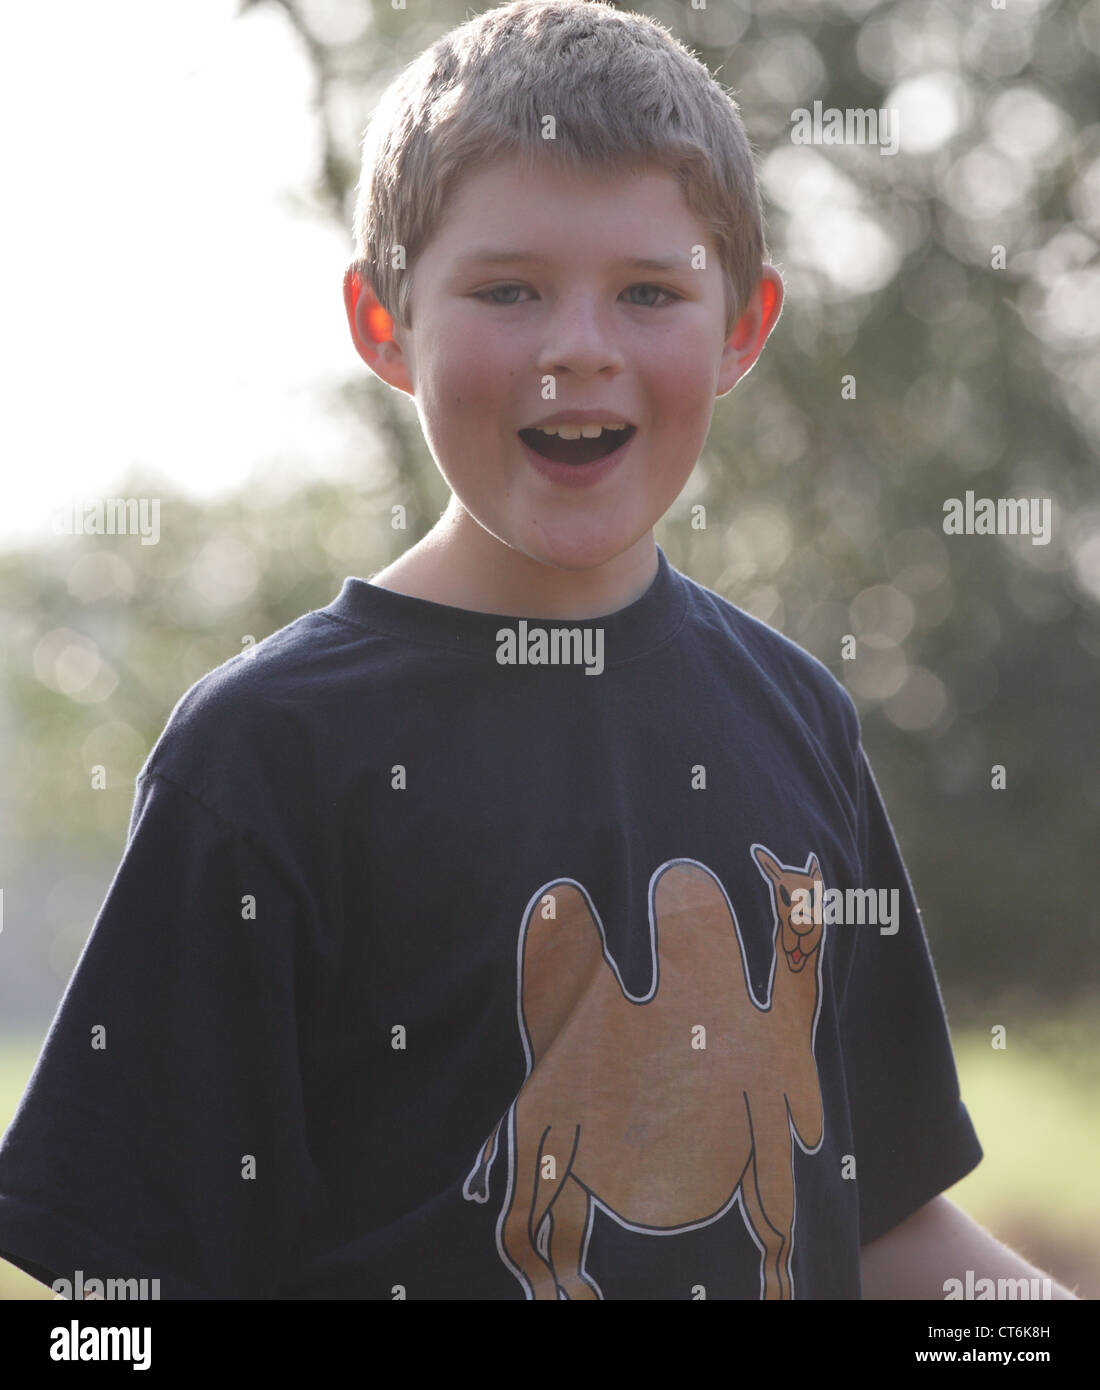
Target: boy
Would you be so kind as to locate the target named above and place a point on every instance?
(470, 934)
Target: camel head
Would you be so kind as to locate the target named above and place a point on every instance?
(793, 899)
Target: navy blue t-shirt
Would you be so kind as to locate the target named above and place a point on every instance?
(461, 956)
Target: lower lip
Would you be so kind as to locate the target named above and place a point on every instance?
(577, 474)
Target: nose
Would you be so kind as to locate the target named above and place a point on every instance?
(579, 338)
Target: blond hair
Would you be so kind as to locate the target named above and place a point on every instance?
(623, 92)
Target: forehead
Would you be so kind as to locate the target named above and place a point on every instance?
(506, 208)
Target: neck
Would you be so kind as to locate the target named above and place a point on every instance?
(795, 992)
(461, 564)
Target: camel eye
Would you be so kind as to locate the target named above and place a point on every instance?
(784, 895)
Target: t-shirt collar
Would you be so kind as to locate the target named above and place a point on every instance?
(648, 622)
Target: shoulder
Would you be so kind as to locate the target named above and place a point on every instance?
(795, 678)
(245, 732)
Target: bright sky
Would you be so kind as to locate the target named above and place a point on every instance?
(161, 304)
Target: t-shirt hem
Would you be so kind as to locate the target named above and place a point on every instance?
(966, 1157)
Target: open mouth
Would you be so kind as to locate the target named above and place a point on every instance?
(558, 450)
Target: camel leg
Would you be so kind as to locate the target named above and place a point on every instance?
(769, 1238)
(571, 1214)
(530, 1196)
(770, 1203)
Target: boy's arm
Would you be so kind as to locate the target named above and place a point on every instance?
(939, 1242)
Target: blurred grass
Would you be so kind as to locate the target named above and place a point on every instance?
(1035, 1105)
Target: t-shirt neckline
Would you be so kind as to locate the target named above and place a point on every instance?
(652, 619)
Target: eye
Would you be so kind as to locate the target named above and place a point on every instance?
(669, 296)
(497, 289)
(784, 895)
(488, 296)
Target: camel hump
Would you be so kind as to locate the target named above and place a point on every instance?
(562, 954)
(687, 895)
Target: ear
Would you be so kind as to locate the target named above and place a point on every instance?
(770, 865)
(373, 332)
(814, 869)
(751, 330)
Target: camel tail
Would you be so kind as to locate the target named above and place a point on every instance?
(476, 1186)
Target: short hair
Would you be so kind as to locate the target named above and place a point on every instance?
(624, 92)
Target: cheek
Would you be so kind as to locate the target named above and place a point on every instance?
(467, 373)
(681, 374)
(683, 408)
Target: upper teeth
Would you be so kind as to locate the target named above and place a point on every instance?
(577, 431)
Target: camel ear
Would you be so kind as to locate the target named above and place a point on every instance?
(768, 863)
(814, 870)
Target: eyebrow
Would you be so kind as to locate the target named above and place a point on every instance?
(491, 255)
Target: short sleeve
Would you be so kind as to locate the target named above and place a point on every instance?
(162, 1134)
(912, 1134)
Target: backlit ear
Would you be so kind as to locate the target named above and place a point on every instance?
(373, 332)
(751, 330)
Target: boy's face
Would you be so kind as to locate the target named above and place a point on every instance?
(642, 344)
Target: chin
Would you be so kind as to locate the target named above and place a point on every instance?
(578, 555)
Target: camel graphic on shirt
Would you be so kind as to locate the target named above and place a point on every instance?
(662, 1110)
